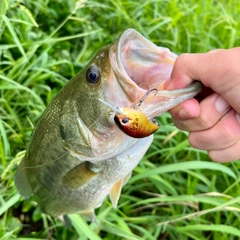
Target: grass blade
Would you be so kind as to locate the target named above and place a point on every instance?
(183, 167)
(9, 203)
(218, 228)
(14, 35)
(82, 227)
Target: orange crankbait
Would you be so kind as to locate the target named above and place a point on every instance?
(134, 123)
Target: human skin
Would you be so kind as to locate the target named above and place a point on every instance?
(213, 121)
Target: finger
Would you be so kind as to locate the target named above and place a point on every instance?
(226, 154)
(204, 93)
(212, 109)
(190, 108)
(218, 70)
(223, 135)
(216, 50)
(186, 110)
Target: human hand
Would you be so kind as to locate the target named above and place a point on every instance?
(214, 121)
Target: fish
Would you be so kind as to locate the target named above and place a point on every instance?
(77, 155)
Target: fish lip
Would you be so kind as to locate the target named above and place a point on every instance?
(118, 48)
(131, 86)
(128, 84)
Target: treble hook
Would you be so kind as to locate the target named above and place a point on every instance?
(138, 104)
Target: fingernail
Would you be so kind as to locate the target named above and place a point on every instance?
(221, 104)
(238, 116)
(183, 113)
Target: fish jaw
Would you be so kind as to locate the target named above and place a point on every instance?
(165, 100)
(135, 60)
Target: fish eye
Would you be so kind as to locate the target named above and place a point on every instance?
(93, 75)
(124, 120)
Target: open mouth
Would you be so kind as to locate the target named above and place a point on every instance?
(140, 67)
(139, 62)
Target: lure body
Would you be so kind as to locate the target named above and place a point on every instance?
(135, 123)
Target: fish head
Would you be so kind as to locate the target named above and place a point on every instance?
(124, 72)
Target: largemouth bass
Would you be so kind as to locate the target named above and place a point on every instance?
(77, 154)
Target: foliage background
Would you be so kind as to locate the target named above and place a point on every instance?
(176, 192)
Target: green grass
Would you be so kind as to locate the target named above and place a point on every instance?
(176, 192)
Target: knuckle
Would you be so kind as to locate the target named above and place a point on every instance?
(229, 133)
(205, 122)
(231, 153)
(181, 60)
(217, 156)
(196, 141)
(179, 124)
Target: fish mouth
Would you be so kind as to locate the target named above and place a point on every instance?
(139, 67)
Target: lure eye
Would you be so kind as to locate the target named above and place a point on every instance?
(124, 120)
(93, 75)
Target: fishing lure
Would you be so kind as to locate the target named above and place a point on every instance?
(133, 122)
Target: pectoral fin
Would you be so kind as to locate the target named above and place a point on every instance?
(21, 180)
(116, 190)
(79, 176)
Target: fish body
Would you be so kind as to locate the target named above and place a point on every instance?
(77, 154)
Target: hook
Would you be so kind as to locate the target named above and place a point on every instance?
(138, 104)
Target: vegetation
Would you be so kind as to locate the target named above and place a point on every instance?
(176, 192)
